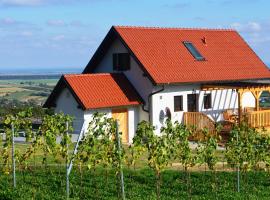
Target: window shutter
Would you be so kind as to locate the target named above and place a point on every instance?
(115, 61)
(124, 61)
(121, 61)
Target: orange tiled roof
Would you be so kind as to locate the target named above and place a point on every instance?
(98, 90)
(103, 90)
(166, 60)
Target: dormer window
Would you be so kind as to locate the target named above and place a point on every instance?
(121, 61)
(194, 52)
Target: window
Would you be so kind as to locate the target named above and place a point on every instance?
(178, 103)
(207, 101)
(121, 61)
(195, 53)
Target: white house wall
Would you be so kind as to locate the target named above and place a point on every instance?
(221, 101)
(166, 99)
(133, 118)
(88, 114)
(143, 115)
(68, 105)
(135, 75)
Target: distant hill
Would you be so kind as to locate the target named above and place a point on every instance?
(29, 76)
(39, 71)
(57, 71)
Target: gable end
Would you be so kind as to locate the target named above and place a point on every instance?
(104, 46)
(62, 83)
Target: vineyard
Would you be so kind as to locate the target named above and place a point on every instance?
(49, 166)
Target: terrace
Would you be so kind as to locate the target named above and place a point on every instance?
(255, 117)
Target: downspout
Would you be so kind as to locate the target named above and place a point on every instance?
(149, 96)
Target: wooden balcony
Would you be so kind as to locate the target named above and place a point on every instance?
(258, 119)
(199, 121)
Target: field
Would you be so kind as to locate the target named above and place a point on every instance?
(23, 89)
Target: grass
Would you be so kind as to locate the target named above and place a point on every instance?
(40, 183)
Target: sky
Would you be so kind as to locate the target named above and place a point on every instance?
(65, 33)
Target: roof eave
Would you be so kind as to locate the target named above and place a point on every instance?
(113, 106)
(209, 81)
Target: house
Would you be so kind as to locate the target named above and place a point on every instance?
(144, 73)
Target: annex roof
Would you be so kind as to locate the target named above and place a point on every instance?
(162, 55)
(97, 90)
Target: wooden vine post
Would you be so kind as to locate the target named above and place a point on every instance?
(13, 155)
(119, 150)
(67, 163)
(238, 169)
(240, 95)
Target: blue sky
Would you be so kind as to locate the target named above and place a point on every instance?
(65, 33)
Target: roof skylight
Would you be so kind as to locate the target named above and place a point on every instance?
(195, 53)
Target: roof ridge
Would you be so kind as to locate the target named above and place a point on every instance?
(176, 28)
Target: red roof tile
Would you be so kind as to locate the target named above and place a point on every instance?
(98, 90)
(165, 58)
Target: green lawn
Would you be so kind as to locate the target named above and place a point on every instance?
(38, 183)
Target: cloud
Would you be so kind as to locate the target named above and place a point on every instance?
(26, 33)
(21, 2)
(77, 23)
(58, 37)
(256, 33)
(27, 3)
(8, 21)
(62, 23)
(56, 22)
(200, 19)
(250, 27)
(12, 25)
(176, 5)
(230, 2)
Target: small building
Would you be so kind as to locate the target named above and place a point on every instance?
(81, 95)
(194, 76)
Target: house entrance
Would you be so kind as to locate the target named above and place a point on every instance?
(192, 102)
(122, 116)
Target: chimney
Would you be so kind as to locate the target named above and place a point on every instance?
(204, 40)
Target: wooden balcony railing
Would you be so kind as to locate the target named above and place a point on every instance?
(199, 121)
(257, 119)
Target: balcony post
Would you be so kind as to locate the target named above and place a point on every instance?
(256, 95)
(240, 94)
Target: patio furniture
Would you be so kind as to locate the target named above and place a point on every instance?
(230, 116)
